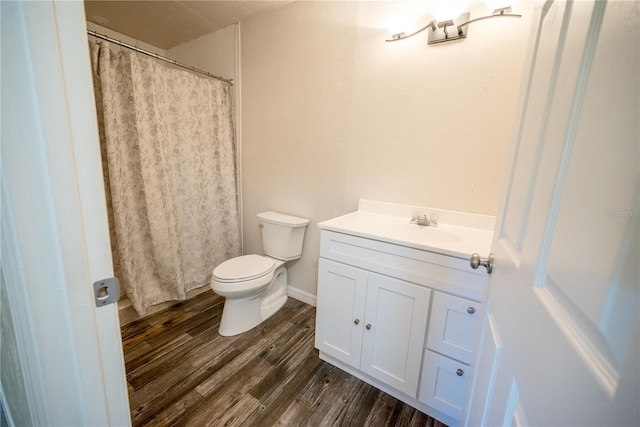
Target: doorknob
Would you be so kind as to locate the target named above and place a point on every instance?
(476, 262)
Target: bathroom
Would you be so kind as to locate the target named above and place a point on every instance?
(324, 99)
(336, 77)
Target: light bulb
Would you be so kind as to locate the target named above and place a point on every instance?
(400, 24)
(405, 18)
(445, 10)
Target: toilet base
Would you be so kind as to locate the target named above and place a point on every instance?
(239, 315)
(242, 314)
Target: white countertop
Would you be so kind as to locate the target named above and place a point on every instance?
(458, 234)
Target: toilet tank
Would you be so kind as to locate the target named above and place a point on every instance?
(282, 235)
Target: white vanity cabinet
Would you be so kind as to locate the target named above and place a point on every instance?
(373, 323)
(401, 317)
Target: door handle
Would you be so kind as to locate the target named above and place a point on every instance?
(476, 261)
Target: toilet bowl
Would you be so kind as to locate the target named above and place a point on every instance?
(255, 286)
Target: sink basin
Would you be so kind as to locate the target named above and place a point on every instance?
(459, 234)
(415, 233)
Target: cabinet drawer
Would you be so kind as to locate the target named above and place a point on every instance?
(443, 384)
(453, 326)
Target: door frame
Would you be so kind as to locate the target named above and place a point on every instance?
(55, 240)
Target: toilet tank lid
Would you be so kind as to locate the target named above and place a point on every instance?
(282, 219)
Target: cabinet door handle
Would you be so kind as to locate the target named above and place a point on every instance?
(460, 372)
(471, 310)
(368, 326)
(357, 321)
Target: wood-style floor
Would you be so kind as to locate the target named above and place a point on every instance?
(180, 371)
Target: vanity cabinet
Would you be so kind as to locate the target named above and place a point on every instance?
(374, 323)
(399, 318)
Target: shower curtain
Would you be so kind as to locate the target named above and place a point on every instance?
(169, 161)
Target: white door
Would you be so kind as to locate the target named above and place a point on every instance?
(55, 240)
(560, 341)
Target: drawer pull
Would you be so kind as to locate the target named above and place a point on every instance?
(368, 326)
(357, 321)
(460, 372)
(471, 310)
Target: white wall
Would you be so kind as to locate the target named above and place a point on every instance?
(215, 52)
(332, 113)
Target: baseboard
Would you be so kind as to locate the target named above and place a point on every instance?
(303, 296)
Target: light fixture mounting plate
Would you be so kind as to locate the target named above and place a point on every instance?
(447, 33)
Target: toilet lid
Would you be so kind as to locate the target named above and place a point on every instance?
(244, 267)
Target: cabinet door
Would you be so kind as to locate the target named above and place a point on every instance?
(395, 324)
(443, 384)
(453, 325)
(340, 310)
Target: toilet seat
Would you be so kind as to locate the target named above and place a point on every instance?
(244, 268)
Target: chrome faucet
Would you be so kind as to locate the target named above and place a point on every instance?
(421, 219)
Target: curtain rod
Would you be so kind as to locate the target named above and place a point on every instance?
(155, 55)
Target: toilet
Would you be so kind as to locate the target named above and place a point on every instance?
(255, 286)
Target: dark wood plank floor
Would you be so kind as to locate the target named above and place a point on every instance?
(180, 371)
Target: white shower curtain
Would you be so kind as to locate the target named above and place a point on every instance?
(169, 156)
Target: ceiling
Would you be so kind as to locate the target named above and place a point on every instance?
(168, 23)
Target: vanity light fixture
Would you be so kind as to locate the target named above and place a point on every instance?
(449, 30)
